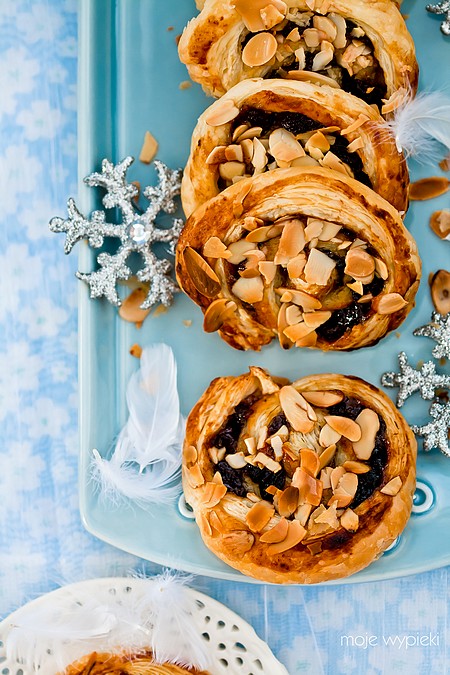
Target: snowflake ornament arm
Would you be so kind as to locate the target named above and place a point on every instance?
(137, 232)
(442, 8)
(435, 434)
(409, 380)
(439, 331)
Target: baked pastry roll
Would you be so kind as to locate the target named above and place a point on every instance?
(364, 47)
(298, 483)
(126, 664)
(282, 123)
(309, 255)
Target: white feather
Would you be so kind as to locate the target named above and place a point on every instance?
(153, 426)
(421, 126)
(160, 615)
(156, 484)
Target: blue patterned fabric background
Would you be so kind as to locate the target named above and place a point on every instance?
(329, 630)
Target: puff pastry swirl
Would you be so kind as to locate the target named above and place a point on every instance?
(301, 124)
(310, 256)
(122, 664)
(363, 45)
(298, 483)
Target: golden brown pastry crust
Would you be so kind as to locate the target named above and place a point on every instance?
(210, 44)
(383, 164)
(109, 664)
(382, 517)
(315, 193)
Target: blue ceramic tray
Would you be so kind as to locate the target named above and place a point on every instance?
(129, 83)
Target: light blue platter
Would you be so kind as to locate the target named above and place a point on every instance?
(129, 81)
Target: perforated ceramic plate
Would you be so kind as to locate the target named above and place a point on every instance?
(129, 83)
(234, 647)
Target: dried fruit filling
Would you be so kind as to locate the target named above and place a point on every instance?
(262, 140)
(326, 44)
(324, 461)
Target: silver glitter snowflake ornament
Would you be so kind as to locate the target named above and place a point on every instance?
(409, 380)
(442, 8)
(137, 232)
(439, 331)
(435, 434)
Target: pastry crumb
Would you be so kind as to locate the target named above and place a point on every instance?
(177, 39)
(170, 28)
(443, 361)
(187, 322)
(136, 350)
(160, 310)
(186, 84)
(445, 163)
(149, 148)
(398, 334)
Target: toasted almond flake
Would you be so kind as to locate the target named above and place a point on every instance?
(259, 516)
(284, 146)
(389, 303)
(315, 78)
(268, 270)
(324, 57)
(344, 426)
(130, 309)
(267, 461)
(428, 188)
(250, 134)
(300, 55)
(259, 159)
(369, 423)
(294, 35)
(309, 340)
(217, 155)
(293, 315)
(350, 520)
(311, 36)
(305, 161)
(194, 476)
(317, 140)
(277, 446)
(262, 437)
(250, 12)
(440, 291)
(239, 250)
(356, 467)
(326, 25)
(349, 483)
(251, 223)
(328, 517)
(318, 268)
(149, 148)
(250, 444)
(394, 101)
(234, 153)
(240, 129)
(309, 461)
(341, 498)
(249, 290)
(282, 323)
(271, 16)
(393, 487)
(323, 399)
(296, 265)
(328, 436)
(359, 263)
(326, 456)
(329, 230)
(357, 124)
(295, 407)
(201, 274)
(340, 40)
(228, 170)
(331, 161)
(190, 455)
(296, 533)
(136, 351)
(213, 494)
(313, 229)
(303, 512)
(214, 248)
(440, 223)
(310, 489)
(277, 533)
(288, 501)
(259, 50)
(357, 286)
(236, 460)
(355, 145)
(308, 302)
(221, 112)
(298, 331)
(335, 476)
(292, 241)
(365, 298)
(247, 150)
(238, 541)
(316, 319)
(315, 548)
(272, 490)
(262, 233)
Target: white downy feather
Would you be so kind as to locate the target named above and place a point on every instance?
(421, 126)
(145, 466)
(161, 616)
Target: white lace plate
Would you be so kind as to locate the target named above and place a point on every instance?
(234, 646)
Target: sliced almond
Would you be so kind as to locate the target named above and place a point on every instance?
(201, 274)
(298, 331)
(394, 101)
(217, 155)
(293, 315)
(329, 230)
(221, 112)
(284, 146)
(238, 541)
(249, 290)
(440, 291)
(190, 455)
(328, 436)
(332, 161)
(294, 407)
(247, 150)
(149, 148)
(340, 40)
(263, 233)
(214, 248)
(250, 12)
(130, 309)
(335, 476)
(344, 426)
(310, 489)
(294, 35)
(428, 188)
(323, 399)
(307, 302)
(296, 533)
(356, 467)
(328, 517)
(236, 460)
(315, 78)
(311, 36)
(440, 223)
(194, 476)
(267, 461)
(259, 159)
(250, 134)
(268, 270)
(326, 456)
(228, 170)
(239, 250)
(369, 423)
(296, 265)
(259, 50)
(271, 16)
(359, 263)
(213, 494)
(389, 303)
(326, 25)
(350, 520)
(282, 323)
(259, 516)
(316, 319)
(277, 533)
(357, 124)
(309, 461)
(393, 487)
(234, 153)
(250, 444)
(292, 241)
(309, 340)
(315, 547)
(355, 145)
(357, 286)
(324, 57)
(288, 501)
